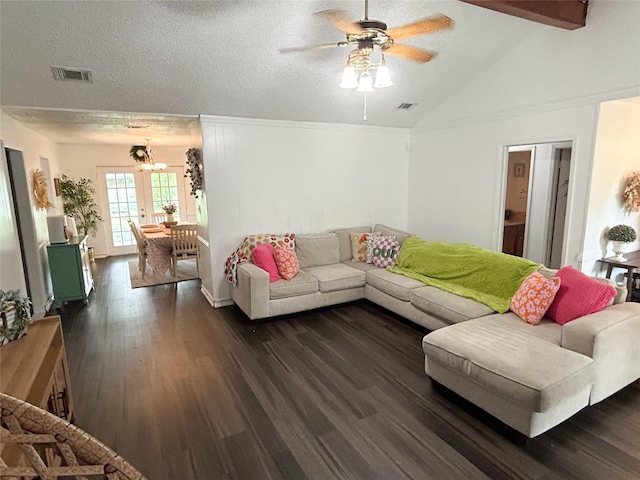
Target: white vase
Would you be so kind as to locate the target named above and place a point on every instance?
(619, 248)
(170, 217)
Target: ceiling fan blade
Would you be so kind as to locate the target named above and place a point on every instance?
(410, 53)
(421, 27)
(341, 20)
(313, 47)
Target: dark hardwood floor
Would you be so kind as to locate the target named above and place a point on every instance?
(184, 391)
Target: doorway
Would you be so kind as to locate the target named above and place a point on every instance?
(129, 194)
(535, 201)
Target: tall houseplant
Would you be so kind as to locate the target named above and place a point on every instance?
(77, 199)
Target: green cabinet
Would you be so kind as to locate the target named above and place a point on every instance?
(70, 271)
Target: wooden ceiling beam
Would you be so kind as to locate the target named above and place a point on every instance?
(567, 14)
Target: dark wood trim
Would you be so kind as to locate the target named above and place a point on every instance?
(567, 14)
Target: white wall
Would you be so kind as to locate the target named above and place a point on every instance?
(34, 146)
(553, 69)
(276, 177)
(616, 156)
(546, 90)
(81, 161)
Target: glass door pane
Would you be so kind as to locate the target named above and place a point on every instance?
(165, 187)
(136, 195)
(121, 193)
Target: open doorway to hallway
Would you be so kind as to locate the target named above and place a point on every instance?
(535, 201)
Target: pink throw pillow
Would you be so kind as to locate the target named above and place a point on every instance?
(534, 297)
(287, 261)
(263, 257)
(578, 295)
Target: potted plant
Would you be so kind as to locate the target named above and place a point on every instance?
(77, 200)
(620, 236)
(170, 208)
(15, 315)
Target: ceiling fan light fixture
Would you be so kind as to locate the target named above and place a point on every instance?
(383, 79)
(365, 84)
(349, 79)
(148, 164)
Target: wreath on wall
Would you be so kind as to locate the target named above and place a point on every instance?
(194, 161)
(41, 190)
(138, 153)
(632, 193)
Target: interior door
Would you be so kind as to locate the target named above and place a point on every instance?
(134, 195)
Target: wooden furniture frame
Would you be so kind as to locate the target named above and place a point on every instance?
(34, 369)
(632, 263)
(70, 270)
(142, 253)
(158, 217)
(184, 239)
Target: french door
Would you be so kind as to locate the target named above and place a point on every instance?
(129, 194)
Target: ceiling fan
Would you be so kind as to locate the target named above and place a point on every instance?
(369, 35)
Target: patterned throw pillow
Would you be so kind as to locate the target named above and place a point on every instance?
(370, 241)
(533, 298)
(385, 251)
(242, 254)
(287, 261)
(359, 245)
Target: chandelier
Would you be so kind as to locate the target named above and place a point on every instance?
(144, 158)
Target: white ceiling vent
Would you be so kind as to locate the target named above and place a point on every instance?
(67, 74)
(406, 106)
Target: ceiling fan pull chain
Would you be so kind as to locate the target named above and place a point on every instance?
(364, 105)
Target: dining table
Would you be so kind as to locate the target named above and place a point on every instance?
(158, 245)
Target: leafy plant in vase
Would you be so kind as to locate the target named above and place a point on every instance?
(15, 315)
(78, 201)
(620, 236)
(170, 208)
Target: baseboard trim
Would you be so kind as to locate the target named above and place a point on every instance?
(207, 295)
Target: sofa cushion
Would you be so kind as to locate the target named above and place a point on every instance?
(363, 266)
(400, 235)
(530, 372)
(301, 284)
(264, 258)
(392, 284)
(579, 295)
(337, 277)
(344, 237)
(317, 250)
(447, 305)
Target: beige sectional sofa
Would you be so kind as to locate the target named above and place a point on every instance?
(529, 377)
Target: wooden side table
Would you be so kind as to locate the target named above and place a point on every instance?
(632, 263)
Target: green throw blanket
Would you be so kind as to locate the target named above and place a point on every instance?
(466, 270)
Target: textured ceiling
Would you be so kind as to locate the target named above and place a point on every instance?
(221, 58)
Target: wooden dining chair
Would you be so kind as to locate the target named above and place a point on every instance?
(158, 217)
(184, 240)
(142, 252)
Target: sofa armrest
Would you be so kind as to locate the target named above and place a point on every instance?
(251, 293)
(612, 338)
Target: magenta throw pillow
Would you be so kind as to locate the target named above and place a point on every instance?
(263, 257)
(578, 295)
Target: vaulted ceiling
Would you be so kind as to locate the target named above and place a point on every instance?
(159, 64)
